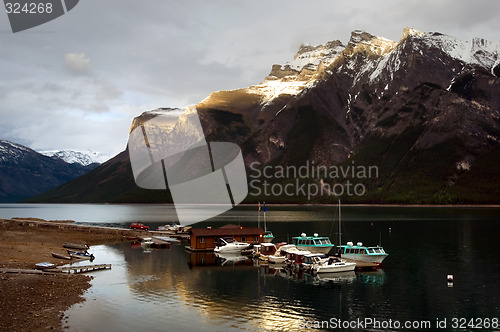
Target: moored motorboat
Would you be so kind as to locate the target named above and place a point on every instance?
(229, 244)
(251, 250)
(362, 253)
(279, 256)
(331, 264)
(266, 250)
(276, 259)
(146, 242)
(373, 255)
(295, 258)
(315, 243)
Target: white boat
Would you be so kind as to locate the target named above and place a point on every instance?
(331, 264)
(266, 250)
(228, 244)
(295, 258)
(276, 259)
(358, 252)
(288, 247)
(146, 242)
(271, 253)
(361, 253)
(315, 243)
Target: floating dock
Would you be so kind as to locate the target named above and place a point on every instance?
(80, 269)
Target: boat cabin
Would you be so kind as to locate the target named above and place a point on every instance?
(359, 249)
(314, 258)
(311, 240)
(313, 243)
(267, 249)
(297, 257)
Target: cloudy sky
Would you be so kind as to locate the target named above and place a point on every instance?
(78, 81)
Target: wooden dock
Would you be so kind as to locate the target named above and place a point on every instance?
(80, 269)
(24, 271)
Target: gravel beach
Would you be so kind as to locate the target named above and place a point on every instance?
(34, 302)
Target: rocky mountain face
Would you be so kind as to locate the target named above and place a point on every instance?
(25, 172)
(424, 110)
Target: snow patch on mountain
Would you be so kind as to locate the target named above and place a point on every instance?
(310, 57)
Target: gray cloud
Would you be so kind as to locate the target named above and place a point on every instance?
(79, 80)
(77, 63)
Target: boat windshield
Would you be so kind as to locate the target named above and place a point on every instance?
(376, 251)
(357, 251)
(322, 242)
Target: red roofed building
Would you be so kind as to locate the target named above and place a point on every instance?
(205, 239)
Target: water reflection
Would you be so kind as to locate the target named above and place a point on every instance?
(376, 277)
(173, 290)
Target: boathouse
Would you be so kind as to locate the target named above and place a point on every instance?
(205, 239)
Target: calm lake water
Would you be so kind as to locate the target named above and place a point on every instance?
(173, 290)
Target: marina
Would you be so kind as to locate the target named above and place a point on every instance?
(201, 289)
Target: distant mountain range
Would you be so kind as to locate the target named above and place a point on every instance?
(84, 158)
(425, 111)
(25, 172)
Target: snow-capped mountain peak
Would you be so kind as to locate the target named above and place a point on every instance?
(11, 151)
(478, 51)
(85, 157)
(366, 59)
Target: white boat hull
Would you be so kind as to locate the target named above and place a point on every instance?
(276, 259)
(316, 249)
(230, 249)
(335, 267)
(377, 258)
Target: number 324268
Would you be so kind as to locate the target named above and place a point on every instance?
(28, 8)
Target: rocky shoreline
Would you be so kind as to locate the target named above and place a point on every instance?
(33, 302)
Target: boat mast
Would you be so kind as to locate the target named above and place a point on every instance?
(258, 217)
(340, 229)
(265, 228)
